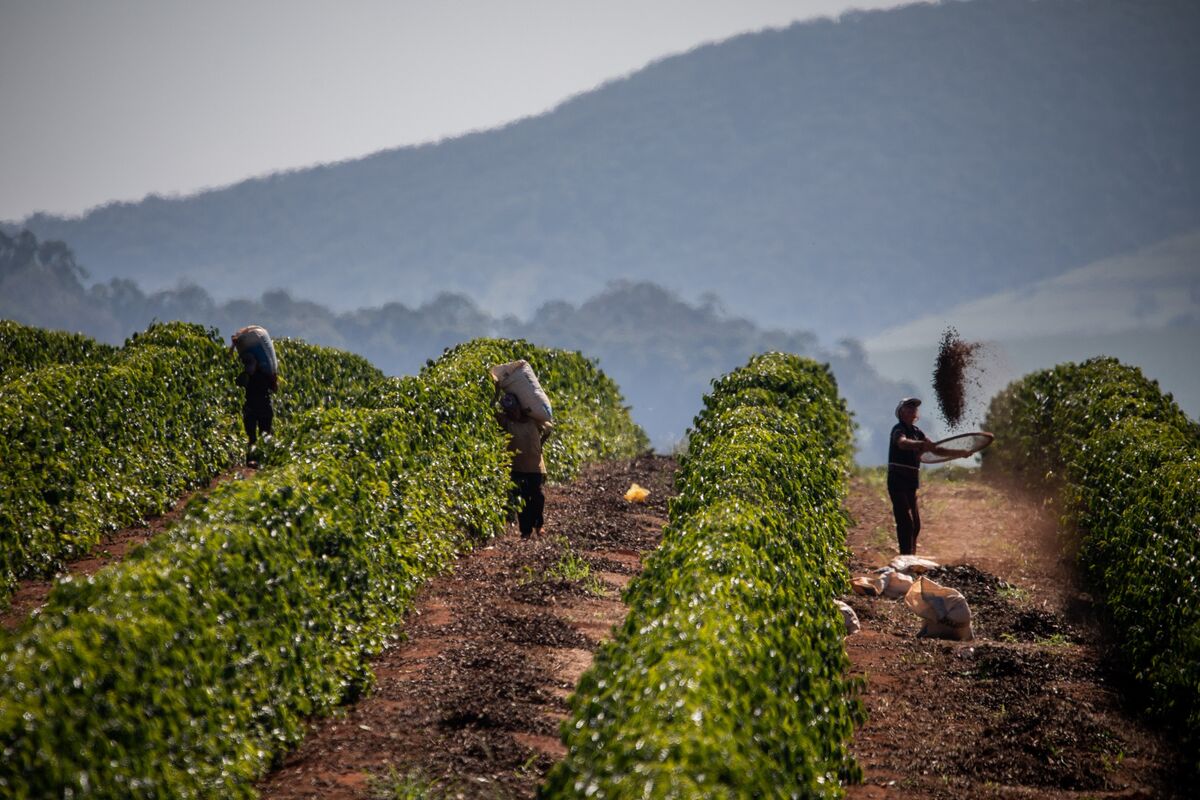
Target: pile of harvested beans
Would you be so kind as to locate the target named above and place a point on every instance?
(954, 358)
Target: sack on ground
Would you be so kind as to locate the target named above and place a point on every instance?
(945, 610)
(518, 377)
(255, 340)
(897, 585)
(868, 586)
(849, 618)
(913, 565)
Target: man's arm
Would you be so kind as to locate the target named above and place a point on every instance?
(920, 445)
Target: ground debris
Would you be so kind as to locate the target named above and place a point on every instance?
(1032, 708)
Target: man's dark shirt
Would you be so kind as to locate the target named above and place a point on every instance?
(258, 388)
(904, 466)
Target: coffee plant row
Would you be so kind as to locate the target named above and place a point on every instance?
(93, 445)
(94, 438)
(728, 678)
(189, 668)
(23, 348)
(1127, 461)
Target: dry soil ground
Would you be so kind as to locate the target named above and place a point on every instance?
(1031, 708)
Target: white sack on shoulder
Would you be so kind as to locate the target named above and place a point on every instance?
(255, 340)
(518, 377)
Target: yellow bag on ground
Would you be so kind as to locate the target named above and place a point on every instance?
(637, 494)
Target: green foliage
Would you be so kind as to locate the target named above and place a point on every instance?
(573, 568)
(311, 376)
(91, 447)
(23, 349)
(1128, 463)
(728, 678)
(186, 669)
(412, 785)
(1049, 416)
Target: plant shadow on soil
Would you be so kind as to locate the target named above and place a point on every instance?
(1033, 707)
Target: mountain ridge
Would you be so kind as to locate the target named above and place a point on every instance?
(942, 151)
(1155, 287)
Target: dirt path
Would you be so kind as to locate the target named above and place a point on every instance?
(31, 594)
(1030, 708)
(472, 699)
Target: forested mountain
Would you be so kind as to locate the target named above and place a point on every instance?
(661, 350)
(835, 176)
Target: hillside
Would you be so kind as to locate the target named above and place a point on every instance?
(955, 150)
(1141, 307)
(1154, 287)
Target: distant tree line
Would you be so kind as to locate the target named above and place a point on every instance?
(661, 350)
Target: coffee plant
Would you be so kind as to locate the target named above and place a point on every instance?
(728, 677)
(98, 439)
(188, 669)
(23, 349)
(1126, 461)
(90, 447)
(311, 376)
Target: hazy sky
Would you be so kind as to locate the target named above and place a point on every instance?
(106, 100)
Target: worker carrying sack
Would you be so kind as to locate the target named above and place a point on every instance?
(517, 377)
(255, 342)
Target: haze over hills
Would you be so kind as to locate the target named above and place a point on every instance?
(662, 351)
(831, 177)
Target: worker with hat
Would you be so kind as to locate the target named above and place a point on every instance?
(905, 446)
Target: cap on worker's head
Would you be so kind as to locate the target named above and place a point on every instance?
(908, 402)
(509, 401)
